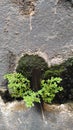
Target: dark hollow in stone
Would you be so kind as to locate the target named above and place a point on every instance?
(35, 81)
(35, 68)
(27, 63)
(6, 96)
(65, 71)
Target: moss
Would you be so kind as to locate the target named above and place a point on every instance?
(54, 71)
(64, 71)
(29, 62)
(67, 76)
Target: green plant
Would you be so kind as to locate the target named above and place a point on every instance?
(49, 88)
(30, 97)
(64, 71)
(17, 84)
(19, 87)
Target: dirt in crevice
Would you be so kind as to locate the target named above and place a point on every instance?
(26, 7)
(6, 96)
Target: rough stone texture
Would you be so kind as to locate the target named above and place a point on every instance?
(32, 119)
(49, 32)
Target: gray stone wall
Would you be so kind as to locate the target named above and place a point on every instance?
(48, 32)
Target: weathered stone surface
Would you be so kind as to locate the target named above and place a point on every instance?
(12, 118)
(49, 32)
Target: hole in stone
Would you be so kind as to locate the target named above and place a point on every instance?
(6, 96)
(33, 67)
